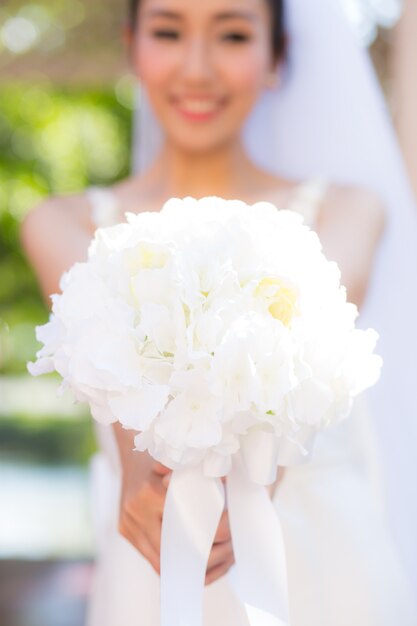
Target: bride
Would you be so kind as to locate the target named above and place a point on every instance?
(210, 71)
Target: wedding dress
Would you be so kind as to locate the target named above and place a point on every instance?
(342, 567)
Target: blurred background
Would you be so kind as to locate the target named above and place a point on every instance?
(66, 101)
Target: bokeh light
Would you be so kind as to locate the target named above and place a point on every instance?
(19, 34)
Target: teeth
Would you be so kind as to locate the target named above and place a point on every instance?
(198, 106)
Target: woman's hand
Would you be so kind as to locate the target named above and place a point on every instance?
(141, 507)
(144, 487)
(221, 556)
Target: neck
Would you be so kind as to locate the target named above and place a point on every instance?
(218, 173)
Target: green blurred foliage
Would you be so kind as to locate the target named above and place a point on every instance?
(52, 141)
(57, 441)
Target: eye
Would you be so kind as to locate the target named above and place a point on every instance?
(166, 34)
(236, 37)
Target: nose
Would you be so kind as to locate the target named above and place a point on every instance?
(197, 64)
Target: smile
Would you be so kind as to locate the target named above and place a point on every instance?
(198, 108)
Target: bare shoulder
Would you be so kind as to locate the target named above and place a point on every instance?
(55, 235)
(350, 224)
(72, 211)
(354, 207)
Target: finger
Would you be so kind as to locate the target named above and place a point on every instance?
(165, 480)
(139, 541)
(217, 572)
(157, 483)
(144, 517)
(149, 525)
(223, 531)
(219, 553)
(153, 535)
(149, 553)
(145, 502)
(160, 469)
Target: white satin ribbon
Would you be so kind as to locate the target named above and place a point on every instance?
(193, 509)
(258, 545)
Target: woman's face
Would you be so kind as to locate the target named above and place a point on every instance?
(204, 64)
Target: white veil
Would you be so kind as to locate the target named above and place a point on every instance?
(328, 119)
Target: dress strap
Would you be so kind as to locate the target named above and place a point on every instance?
(105, 207)
(308, 198)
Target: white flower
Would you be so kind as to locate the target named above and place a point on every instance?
(209, 328)
(137, 408)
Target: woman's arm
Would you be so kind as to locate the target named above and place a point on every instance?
(144, 486)
(350, 225)
(55, 235)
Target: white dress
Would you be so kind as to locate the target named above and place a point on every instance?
(342, 567)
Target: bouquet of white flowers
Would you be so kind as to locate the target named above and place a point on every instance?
(220, 333)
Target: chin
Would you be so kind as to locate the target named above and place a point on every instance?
(201, 143)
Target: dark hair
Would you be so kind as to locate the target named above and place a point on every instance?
(279, 40)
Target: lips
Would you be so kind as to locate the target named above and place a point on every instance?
(198, 108)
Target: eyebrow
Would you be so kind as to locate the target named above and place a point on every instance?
(163, 13)
(219, 17)
(232, 15)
